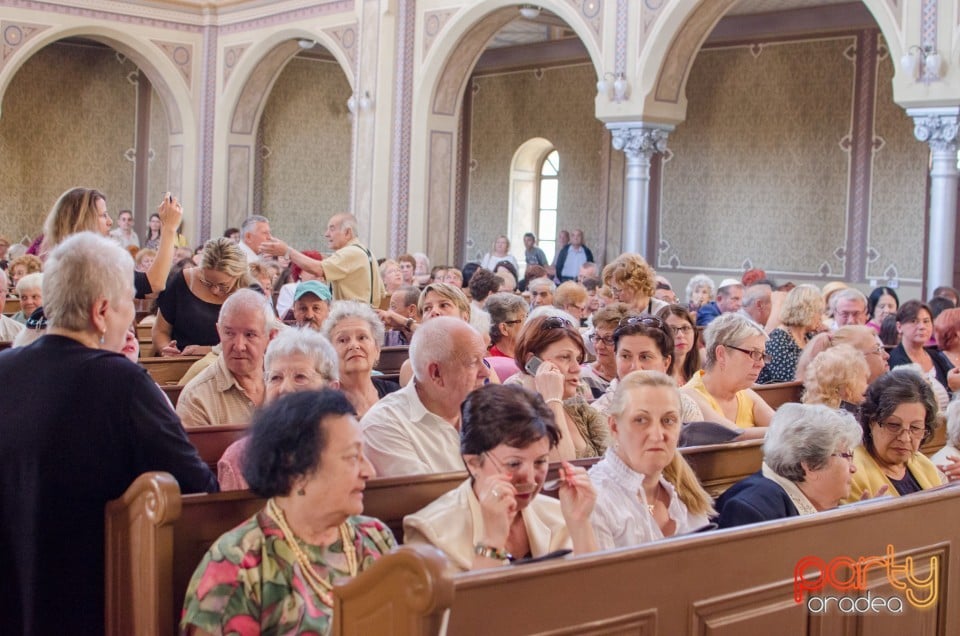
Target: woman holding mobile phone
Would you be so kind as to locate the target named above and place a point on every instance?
(550, 351)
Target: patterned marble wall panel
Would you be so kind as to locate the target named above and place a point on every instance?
(898, 196)
(160, 161)
(757, 170)
(509, 109)
(68, 120)
(306, 151)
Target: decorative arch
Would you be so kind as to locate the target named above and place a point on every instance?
(667, 56)
(246, 91)
(437, 105)
(525, 186)
(167, 79)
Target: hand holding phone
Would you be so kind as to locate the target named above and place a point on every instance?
(532, 365)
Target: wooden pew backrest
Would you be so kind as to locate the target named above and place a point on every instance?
(391, 359)
(172, 391)
(168, 370)
(211, 441)
(780, 392)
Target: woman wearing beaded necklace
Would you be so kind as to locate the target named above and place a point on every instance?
(275, 572)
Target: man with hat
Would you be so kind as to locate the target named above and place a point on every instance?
(311, 304)
(729, 298)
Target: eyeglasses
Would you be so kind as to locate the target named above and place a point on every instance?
(685, 330)
(607, 340)
(878, 350)
(512, 322)
(223, 288)
(755, 354)
(895, 430)
(847, 456)
(850, 315)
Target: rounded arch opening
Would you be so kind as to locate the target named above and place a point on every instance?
(525, 173)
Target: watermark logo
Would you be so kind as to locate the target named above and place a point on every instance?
(844, 574)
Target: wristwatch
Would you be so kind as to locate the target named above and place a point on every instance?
(408, 324)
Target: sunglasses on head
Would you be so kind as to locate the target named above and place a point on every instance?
(556, 322)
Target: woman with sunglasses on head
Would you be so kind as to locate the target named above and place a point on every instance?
(686, 341)
(549, 352)
(189, 307)
(735, 354)
(498, 514)
(644, 343)
(645, 488)
(897, 416)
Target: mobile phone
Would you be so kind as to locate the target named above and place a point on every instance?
(532, 365)
(556, 554)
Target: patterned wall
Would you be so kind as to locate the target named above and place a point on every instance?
(68, 120)
(306, 136)
(763, 158)
(509, 109)
(159, 158)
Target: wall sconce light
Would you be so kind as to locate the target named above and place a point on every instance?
(922, 63)
(615, 86)
(529, 11)
(364, 102)
(306, 44)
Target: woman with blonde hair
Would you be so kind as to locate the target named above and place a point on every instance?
(800, 317)
(633, 281)
(188, 309)
(837, 377)
(645, 488)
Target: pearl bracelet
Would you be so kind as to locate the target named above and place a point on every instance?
(557, 400)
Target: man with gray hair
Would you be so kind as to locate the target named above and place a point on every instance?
(757, 303)
(254, 231)
(9, 328)
(414, 431)
(351, 270)
(541, 292)
(729, 299)
(849, 307)
(229, 390)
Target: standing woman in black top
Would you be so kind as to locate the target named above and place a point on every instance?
(85, 210)
(80, 424)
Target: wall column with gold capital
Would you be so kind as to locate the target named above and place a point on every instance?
(938, 127)
(639, 141)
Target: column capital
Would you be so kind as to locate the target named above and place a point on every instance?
(639, 139)
(937, 127)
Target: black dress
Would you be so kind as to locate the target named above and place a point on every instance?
(193, 320)
(79, 426)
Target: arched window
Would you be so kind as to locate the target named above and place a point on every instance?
(534, 175)
(549, 198)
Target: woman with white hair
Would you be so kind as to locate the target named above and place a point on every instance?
(90, 423)
(800, 319)
(700, 291)
(735, 354)
(357, 335)
(30, 291)
(947, 457)
(807, 467)
(837, 378)
(296, 360)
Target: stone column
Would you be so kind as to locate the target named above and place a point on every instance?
(938, 127)
(638, 141)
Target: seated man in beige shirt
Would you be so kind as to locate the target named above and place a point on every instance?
(228, 391)
(416, 430)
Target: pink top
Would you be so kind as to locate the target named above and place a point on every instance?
(230, 466)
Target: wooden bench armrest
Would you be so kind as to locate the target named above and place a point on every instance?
(405, 592)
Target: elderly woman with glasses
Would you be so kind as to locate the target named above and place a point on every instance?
(645, 488)
(187, 310)
(861, 338)
(549, 352)
(897, 416)
(807, 467)
(274, 573)
(601, 372)
(296, 360)
(633, 281)
(735, 355)
(498, 514)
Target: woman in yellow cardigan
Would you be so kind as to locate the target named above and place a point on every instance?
(898, 414)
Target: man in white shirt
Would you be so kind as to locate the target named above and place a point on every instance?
(254, 231)
(123, 233)
(415, 430)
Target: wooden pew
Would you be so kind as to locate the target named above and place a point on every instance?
(12, 306)
(172, 391)
(211, 441)
(737, 581)
(779, 392)
(392, 358)
(168, 370)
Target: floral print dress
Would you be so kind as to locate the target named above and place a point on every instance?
(249, 581)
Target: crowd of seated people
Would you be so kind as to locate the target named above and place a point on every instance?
(608, 372)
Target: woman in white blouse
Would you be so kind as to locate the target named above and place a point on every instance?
(645, 488)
